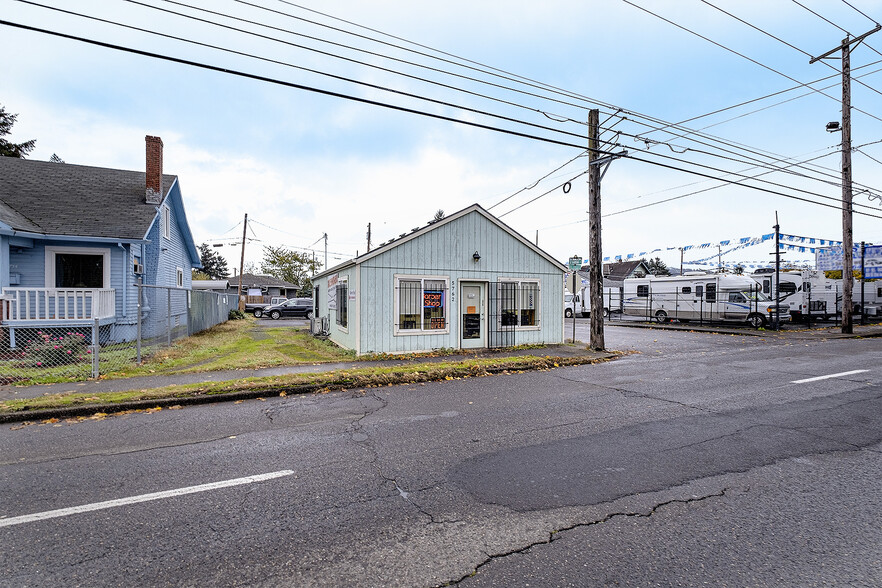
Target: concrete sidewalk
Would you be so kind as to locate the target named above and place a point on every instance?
(151, 382)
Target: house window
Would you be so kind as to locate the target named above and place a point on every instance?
(519, 303)
(421, 304)
(180, 278)
(343, 302)
(79, 271)
(77, 267)
(166, 222)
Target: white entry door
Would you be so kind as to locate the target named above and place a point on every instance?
(473, 315)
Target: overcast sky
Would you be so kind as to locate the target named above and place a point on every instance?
(302, 163)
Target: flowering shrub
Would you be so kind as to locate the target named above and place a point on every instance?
(50, 349)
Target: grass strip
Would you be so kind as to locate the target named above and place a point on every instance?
(78, 403)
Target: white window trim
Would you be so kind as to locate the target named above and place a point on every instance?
(518, 327)
(166, 222)
(52, 250)
(396, 306)
(341, 328)
(179, 277)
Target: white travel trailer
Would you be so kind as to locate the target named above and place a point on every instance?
(698, 296)
(807, 293)
(612, 300)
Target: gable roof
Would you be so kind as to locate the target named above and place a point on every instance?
(622, 269)
(434, 225)
(257, 280)
(62, 199)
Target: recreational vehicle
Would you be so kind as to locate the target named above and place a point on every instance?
(703, 297)
(807, 293)
(612, 301)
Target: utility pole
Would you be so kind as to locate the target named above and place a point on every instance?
(777, 228)
(681, 260)
(595, 269)
(325, 237)
(369, 238)
(595, 255)
(847, 236)
(242, 262)
(719, 259)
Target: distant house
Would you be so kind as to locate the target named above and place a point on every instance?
(75, 239)
(258, 288)
(221, 286)
(619, 271)
(468, 281)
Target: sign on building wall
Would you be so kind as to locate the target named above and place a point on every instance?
(332, 291)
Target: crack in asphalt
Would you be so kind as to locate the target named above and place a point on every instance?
(557, 533)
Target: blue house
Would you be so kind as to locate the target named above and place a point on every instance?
(74, 240)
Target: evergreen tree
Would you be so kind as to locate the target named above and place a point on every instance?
(213, 264)
(8, 148)
(657, 267)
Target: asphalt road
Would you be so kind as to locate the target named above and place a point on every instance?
(697, 459)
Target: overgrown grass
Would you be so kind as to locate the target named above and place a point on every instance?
(237, 345)
(368, 377)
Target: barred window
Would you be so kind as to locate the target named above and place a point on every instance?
(519, 303)
(421, 303)
(343, 302)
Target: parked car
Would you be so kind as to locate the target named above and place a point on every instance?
(301, 307)
(259, 308)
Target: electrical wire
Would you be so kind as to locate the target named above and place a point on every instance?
(809, 55)
(319, 72)
(536, 183)
(305, 88)
(543, 194)
(292, 85)
(743, 56)
(362, 63)
(348, 47)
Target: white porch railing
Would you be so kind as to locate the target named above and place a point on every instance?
(66, 305)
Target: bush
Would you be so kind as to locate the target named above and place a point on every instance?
(56, 349)
(236, 315)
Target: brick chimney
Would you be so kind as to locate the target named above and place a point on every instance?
(154, 170)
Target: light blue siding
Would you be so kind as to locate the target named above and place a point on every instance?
(446, 250)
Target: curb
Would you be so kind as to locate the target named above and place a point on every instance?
(91, 409)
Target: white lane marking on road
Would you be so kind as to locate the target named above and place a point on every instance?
(63, 512)
(828, 377)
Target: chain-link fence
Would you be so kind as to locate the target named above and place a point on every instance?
(79, 350)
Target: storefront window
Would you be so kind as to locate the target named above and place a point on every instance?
(421, 303)
(519, 303)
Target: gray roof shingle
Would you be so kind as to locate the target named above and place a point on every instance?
(75, 200)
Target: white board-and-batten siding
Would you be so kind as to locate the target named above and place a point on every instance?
(445, 251)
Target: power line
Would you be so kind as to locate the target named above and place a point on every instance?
(348, 97)
(536, 183)
(290, 84)
(743, 56)
(319, 72)
(349, 47)
(362, 63)
(543, 194)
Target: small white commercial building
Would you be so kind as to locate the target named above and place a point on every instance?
(468, 281)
